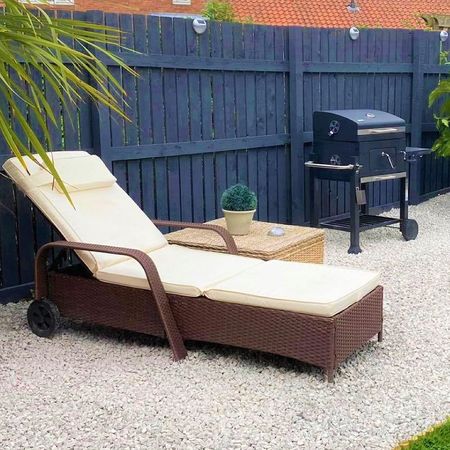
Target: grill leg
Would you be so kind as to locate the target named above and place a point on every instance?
(354, 215)
(313, 199)
(403, 201)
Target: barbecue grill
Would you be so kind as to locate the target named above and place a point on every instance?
(360, 147)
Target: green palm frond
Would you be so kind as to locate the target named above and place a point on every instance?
(37, 50)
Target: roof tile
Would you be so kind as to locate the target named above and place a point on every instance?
(310, 13)
(331, 13)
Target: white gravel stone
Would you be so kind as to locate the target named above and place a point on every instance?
(91, 388)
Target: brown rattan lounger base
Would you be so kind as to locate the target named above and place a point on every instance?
(320, 341)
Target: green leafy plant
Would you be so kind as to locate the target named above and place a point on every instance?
(442, 93)
(37, 50)
(239, 198)
(443, 57)
(219, 10)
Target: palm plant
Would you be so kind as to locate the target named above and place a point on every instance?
(36, 49)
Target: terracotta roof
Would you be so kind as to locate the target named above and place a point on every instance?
(309, 13)
(334, 13)
(280, 12)
(136, 6)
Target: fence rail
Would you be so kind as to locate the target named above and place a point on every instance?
(232, 105)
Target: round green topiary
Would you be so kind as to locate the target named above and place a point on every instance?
(239, 198)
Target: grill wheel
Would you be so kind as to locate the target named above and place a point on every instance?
(409, 229)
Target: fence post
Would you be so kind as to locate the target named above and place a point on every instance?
(297, 159)
(417, 106)
(100, 113)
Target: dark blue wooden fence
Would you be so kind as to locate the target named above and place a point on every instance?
(232, 105)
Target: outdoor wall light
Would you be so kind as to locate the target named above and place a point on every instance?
(199, 25)
(443, 35)
(354, 33)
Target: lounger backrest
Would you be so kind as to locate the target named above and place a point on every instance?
(103, 212)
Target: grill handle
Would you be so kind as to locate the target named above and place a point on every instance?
(388, 156)
(330, 166)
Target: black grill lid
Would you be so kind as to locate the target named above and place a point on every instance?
(367, 118)
(347, 124)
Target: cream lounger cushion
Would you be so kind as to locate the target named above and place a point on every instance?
(305, 288)
(88, 173)
(102, 215)
(183, 271)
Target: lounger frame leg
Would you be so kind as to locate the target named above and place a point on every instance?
(157, 289)
(329, 372)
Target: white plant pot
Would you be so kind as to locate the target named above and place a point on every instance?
(238, 222)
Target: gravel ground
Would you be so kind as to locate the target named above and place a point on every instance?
(89, 388)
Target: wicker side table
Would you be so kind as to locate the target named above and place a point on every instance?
(300, 244)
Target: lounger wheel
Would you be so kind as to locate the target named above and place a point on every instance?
(43, 317)
(410, 229)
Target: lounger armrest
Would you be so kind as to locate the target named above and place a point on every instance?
(151, 272)
(223, 232)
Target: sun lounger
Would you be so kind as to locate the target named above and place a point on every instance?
(131, 278)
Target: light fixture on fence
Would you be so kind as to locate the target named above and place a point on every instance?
(353, 8)
(199, 25)
(443, 35)
(353, 33)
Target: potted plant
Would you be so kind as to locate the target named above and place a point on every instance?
(238, 206)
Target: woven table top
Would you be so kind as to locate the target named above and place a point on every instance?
(257, 243)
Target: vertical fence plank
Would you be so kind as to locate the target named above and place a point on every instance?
(145, 119)
(241, 123)
(417, 86)
(98, 114)
(416, 111)
(319, 47)
(116, 122)
(272, 168)
(69, 114)
(296, 125)
(157, 113)
(282, 126)
(131, 137)
(261, 124)
(183, 111)
(24, 215)
(250, 97)
(195, 118)
(8, 249)
(25, 237)
(205, 42)
(229, 103)
(341, 39)
(171, 117)
(218, 102)
(332, 104)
